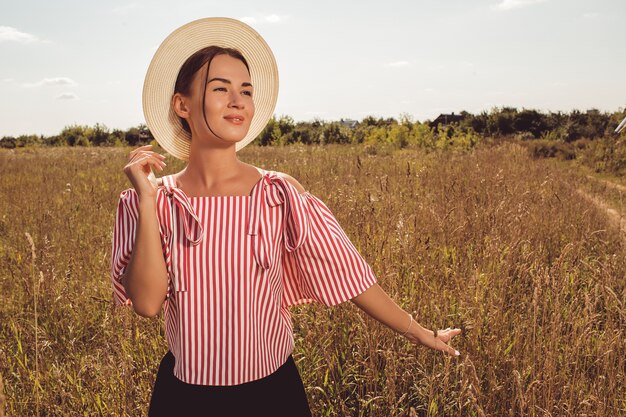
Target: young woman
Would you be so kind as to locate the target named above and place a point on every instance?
(225, 247)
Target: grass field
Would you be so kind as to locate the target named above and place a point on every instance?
(494, 242)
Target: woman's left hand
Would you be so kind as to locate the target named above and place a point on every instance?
(437, 341)
(442, 339)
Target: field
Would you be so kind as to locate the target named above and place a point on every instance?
(521, 254)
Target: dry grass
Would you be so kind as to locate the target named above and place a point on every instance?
(2, 398)
(492, 242)
(611, 192)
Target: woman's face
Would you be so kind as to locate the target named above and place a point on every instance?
(228, 103)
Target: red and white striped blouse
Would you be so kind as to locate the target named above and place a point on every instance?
(235, 264)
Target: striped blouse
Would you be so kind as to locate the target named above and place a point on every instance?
(235, 264)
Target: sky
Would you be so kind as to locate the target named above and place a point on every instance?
(68, 62)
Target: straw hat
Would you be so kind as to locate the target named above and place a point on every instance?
(158, 87)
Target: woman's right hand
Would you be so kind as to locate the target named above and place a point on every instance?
(138, 169)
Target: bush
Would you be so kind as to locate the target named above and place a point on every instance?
(582, 144)
(422, 136)
(82, 141)
(524, 136)
(543, 148)
(8, 142)
(606, 155)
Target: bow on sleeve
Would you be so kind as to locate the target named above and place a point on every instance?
(194, 232)
(275, 190)
(191, 223)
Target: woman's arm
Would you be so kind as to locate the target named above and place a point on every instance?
(145, 277)
(375, 302)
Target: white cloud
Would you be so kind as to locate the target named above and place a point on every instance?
(515, 4)
(52, 81)
(591, 15)
(10, 34)
(8, 80)
(67, 96)
(397, 64)
(270, 18)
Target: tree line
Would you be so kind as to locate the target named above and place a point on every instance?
(525, 124)
(79, 135)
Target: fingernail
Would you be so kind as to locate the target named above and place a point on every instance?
(456, 352)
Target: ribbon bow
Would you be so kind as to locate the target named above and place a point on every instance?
(191, 223)
(194, 232)
(275, 190)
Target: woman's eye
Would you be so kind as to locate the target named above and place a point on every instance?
(220, 88)
(248, 93)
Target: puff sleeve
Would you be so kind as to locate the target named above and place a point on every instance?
(126, 219)
(326, 267)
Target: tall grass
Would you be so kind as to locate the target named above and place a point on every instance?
(2, 398)
(491, 241)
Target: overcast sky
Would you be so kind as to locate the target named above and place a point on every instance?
(83, 62)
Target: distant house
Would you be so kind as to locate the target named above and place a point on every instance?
(349, 123)
(445, 119)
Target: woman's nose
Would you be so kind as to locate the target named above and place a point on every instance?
(235, 99)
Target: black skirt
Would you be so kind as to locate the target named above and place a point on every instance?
(278, 394)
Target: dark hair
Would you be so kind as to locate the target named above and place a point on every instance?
(193, 64)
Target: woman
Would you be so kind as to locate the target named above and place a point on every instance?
(224, 247)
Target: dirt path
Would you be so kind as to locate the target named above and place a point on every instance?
(608, 184)
(615, 216)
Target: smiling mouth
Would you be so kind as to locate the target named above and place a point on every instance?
(237, 120)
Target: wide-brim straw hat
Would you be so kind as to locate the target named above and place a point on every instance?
(158, 87)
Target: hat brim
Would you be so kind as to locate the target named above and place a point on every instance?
(158, 87)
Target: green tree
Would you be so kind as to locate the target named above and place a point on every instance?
(399, 135)
(8, 142)
(99, 135)
(72, 134)
(422, 136)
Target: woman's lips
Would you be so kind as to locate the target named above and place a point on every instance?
(236, 120)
